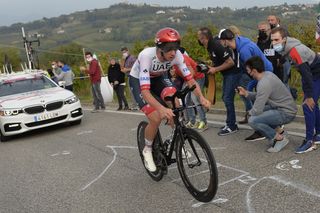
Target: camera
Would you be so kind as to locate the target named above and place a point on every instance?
(202, 67)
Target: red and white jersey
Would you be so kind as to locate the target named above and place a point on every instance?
(149, 66)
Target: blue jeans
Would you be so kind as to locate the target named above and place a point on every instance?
(268, 121)
(230, 82)
(97, 97)
(312, 118)
(243, 82)
(191, 98)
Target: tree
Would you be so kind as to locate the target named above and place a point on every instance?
(12, 57)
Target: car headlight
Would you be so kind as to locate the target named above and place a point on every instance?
(9, 112)
(71, 100)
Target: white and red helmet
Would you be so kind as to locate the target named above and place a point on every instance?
(167, 39)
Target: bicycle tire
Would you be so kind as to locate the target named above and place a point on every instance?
(203, 194)
(158, 174)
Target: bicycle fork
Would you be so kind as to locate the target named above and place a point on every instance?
(182, 140)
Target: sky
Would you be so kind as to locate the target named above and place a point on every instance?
(13, 11)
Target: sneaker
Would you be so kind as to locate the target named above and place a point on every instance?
(191, 125)
(202, 126)
(278, 145)
(148, 160)
(120, 108)
(306, 146)
(126, 108)
(224, 127)
(227, 131)
(94, 110)
(256, 136)
(316, 139)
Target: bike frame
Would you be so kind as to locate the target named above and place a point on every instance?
(178, 129)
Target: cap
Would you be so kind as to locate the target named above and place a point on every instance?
(226, 34)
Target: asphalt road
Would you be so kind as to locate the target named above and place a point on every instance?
(95, 167)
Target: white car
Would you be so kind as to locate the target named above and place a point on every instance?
(30, 100)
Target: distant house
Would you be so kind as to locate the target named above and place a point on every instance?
(177, 11)
(290, 13)
(160, 12)
(106, 30)
(174, 20)
(61, 31)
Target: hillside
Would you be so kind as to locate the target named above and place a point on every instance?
(122, 24)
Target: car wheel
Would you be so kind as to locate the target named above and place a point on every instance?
(3, 138)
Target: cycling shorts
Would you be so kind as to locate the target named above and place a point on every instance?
(160, 87)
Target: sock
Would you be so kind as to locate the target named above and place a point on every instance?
(148, 145)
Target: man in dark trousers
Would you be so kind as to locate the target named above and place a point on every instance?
(308, 64)
(222, 62)
(128, 61)
(95, 77)
(116, 79)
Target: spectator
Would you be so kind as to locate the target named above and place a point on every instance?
(235, 30)
(56, 69)
(191, 98)
(126, 68)
(244, 79)
(116, 79)
(65, 75)
(51, 75)
(95, 77)
(223, 62)
(245, 49)
(264, 43)
(274, 22)
(308, 64)
(273, 104)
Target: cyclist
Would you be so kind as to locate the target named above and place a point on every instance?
(150, 84)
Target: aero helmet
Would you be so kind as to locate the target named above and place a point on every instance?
(167, 39)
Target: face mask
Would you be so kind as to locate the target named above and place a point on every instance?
(262, 35)
(125, 55)
(89, 59)
(278, 47)
(53, 66)
(273, 26)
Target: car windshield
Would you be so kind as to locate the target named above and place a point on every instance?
(11, 87)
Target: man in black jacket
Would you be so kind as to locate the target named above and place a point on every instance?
(116, 79)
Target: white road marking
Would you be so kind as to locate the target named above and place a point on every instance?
(109, 165)
(281, 180)
(84, 132)
(215, 201)
(65, 152)
(285, 166)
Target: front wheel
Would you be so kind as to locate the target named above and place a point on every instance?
(197, 166)
(158, 157)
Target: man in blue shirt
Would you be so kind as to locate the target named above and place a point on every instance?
(246, 49)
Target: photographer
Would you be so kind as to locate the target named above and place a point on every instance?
(223, 61)
(273, 104)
